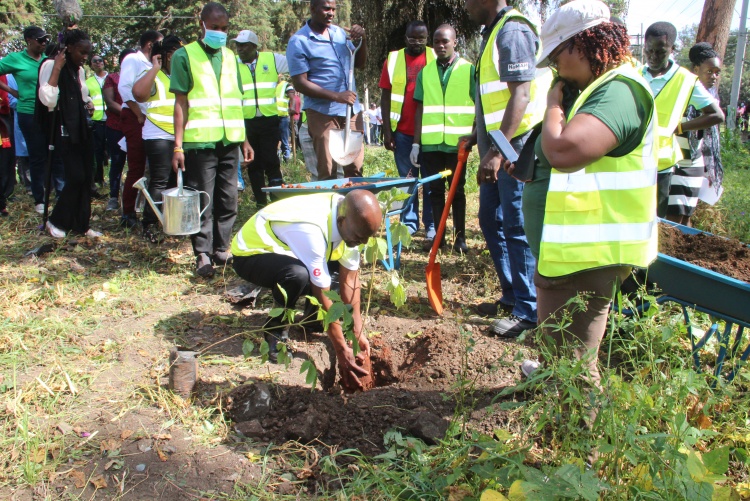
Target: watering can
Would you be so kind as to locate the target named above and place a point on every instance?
(182, 211)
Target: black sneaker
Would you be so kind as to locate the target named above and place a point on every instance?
(129, 222)
(274, 335)
(427, 246)
(510, 327)
(460, 246)
(222, 257)
(203, 266)
(498, 308)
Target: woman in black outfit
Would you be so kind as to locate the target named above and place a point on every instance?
(62, 86)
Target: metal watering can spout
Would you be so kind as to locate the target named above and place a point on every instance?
(142, 184)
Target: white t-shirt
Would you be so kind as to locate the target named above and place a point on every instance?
(373, 115)
(131, 68)
(307, 243)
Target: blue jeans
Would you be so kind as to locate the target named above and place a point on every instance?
(410, 215)
(240, 179)
(38, 154)
(286, 151)
(501, 220)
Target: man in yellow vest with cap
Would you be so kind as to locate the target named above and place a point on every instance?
(283, 247)
(511, 98)
(445, 112)
(397, 82)
(208, 131)
(674, 88)
(95, 83)
(260, 71)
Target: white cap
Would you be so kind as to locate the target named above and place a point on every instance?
(568, 21)
(246, 36)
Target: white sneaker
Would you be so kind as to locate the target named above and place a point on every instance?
(39, 208)
(54, 231)
(93, 233)
(529, 366)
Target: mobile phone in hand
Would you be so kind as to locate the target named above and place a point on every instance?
(501, 144)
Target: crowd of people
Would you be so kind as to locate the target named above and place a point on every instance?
(611, 145)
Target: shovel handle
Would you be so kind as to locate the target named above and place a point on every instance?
(463, 153)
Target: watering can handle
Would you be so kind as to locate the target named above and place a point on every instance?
(207, 203)
(179, 183)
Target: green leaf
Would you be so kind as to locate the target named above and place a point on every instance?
(717, 460)
(247, 348)
(312, 373)
(283, 293)
(333, 296)
(276, 312)
(695, 467)
(725, 493)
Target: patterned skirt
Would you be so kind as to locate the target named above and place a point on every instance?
(686, 184)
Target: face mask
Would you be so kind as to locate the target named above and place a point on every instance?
(214, 39)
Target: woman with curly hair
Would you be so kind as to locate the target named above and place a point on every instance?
(590, 210)
(701, 156)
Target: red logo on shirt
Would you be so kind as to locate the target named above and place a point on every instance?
(317, 272)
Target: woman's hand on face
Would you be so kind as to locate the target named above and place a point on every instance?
(60, 60)
(555, 94)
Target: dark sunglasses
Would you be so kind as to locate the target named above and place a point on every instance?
(97, 60)
(42, 40)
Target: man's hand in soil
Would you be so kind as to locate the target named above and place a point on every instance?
(349, 368)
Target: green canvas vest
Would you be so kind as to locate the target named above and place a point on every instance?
(257, 237)
(495, 94)
(261, 91)
(397, 75)
(97, 98)
(604, 214)
(215, 108)
(282, 102)
(160, 106)
(671, 104)
(447, 117)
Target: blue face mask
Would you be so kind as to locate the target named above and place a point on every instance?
(214, 39)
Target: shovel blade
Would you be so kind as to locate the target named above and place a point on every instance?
(434, 287)
(341, 153)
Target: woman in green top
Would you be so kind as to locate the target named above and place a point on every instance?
(587, 212)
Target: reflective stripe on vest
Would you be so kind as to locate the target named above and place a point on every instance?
(671, 103)
(264, 84)
(97, 98)
(397, 75)
(495, 94)
(160, 106)
(282, 102)
(257, 237)
(214, 108)
(446, 117)
(604, 214)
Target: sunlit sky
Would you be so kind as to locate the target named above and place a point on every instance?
(681, 13)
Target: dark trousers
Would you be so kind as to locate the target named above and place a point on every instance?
(263, 133)
(215, 172)
(38, 151)
(437, 161)
(116, 161)
(100, 149)
(160, 173)
(136, 158)
(72, 211)
(272, 270)
(7, 161)
(663, 180)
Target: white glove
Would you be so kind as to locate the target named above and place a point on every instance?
(414, 155)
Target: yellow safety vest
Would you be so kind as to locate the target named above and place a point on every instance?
(671, 104)
(215, 108)
(495, 94)
(447, 117)
(282, 102)
(257, 237)
(160, 106)
(397, 75)
(604, 214)
(97, 98)
(260, 91)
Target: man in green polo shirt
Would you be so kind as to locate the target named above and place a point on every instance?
(24, 66)
(445, 111)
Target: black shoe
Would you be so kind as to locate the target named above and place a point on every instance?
(95, 195)
(129, 222)
(152, 234)
(222, 257)
(460, 246)
(491, 309)
(275, 334)
(203, 266)
(427, 246)
(510, 327)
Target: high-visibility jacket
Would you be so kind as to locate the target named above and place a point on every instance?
(257, 236)
(397, 75)
(160, 106)
(282, 101)
(214, 108)
(495, 94)
(450, 115)
(671, 103)
(605, 214)
(97, 98)
(260, 91)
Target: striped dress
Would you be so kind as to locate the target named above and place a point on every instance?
(689, 172)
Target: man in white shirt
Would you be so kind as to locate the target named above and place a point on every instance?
(372, 115)
(132, 117)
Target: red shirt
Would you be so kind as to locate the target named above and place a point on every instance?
(413, 66)
(112, 81)
(4, 102)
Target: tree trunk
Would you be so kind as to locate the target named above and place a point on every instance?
(715, 22)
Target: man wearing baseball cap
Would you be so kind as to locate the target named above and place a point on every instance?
(24, 66)
(259, 72)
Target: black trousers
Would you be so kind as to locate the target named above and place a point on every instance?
(215, 172)
(117, 159)
(160, 174)
(72, 211)
(7, 161)
(36, 143)
(435, 162)
(264, 136)
(98, 131)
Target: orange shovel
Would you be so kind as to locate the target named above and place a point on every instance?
(434, 283)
